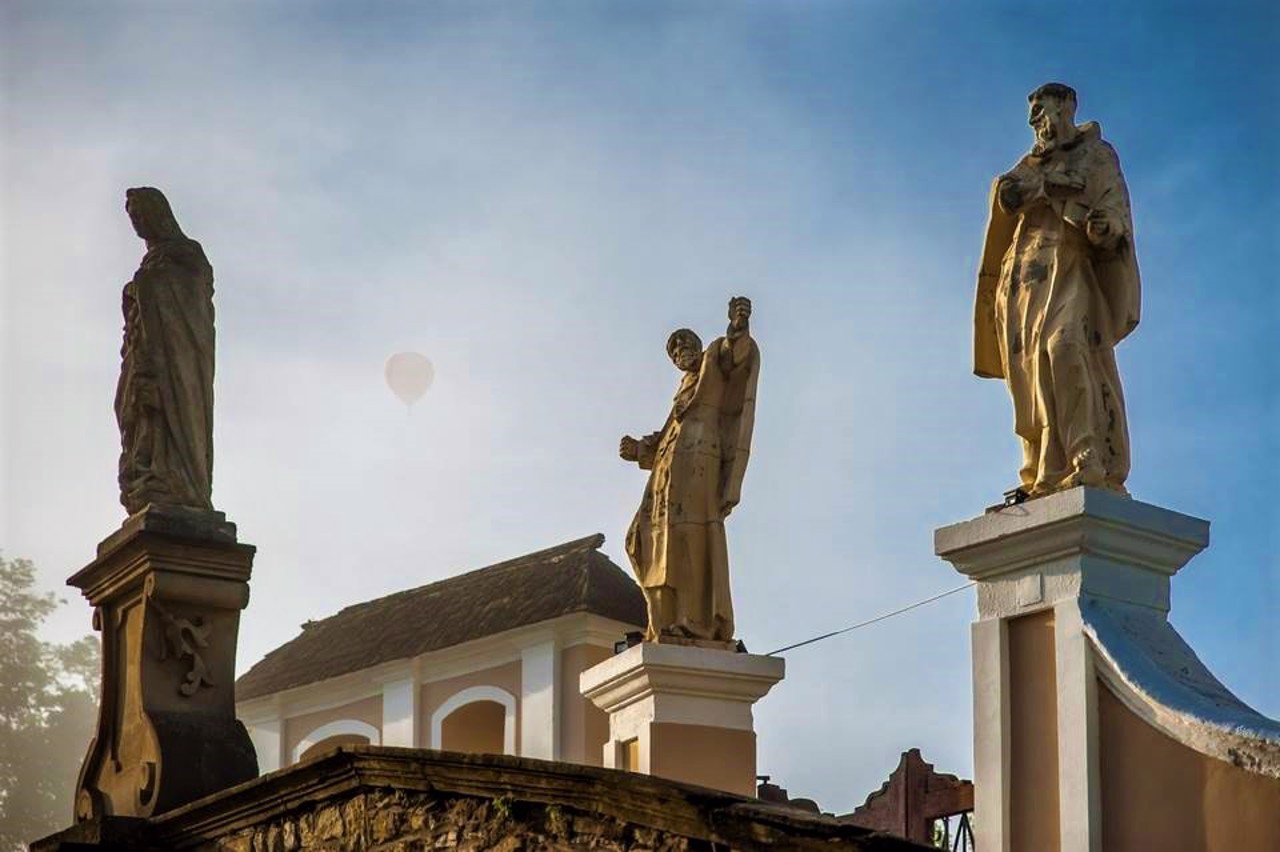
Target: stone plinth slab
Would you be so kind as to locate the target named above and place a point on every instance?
(1082, 541)
(683, 712)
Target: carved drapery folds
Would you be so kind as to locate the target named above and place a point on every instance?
(164, 399)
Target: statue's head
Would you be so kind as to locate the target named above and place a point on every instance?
(151, 215)
(685, 349)
(1052, 115)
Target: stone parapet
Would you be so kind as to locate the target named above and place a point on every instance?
(379, 798)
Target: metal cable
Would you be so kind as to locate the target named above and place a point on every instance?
(907, 608)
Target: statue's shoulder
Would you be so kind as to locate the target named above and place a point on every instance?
(186, 254)
(1093, 143)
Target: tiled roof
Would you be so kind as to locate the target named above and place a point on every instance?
(571, 577)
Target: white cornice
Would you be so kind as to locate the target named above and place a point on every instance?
(1070, 525)
(650, 669)
(487, 652)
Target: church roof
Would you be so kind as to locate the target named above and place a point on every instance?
(571, 577)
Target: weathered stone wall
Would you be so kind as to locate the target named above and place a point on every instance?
(377, 799)
(399, 821)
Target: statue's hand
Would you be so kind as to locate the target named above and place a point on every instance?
(629, 449)
(1097, 227)
(1009, 194)
(739, 312)
(1063, 184)
(726, 507)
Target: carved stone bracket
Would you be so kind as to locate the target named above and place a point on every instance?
(185, 638)
(167, 590)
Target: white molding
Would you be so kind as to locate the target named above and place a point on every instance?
(487, 652)
(260, 710)
(319, 696)
(268, 742)
(400, 713)
(471, 695)
(393, 672)
(540, 701)
(650, 668)
(1080, 522)
(991, 734)
(1079, 772)
(333, 729)
(597, 631)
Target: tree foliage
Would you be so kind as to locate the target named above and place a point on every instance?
(48, 707)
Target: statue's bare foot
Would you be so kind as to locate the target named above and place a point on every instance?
(1088, 471)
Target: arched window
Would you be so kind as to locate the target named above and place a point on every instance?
(478, 719)
(342, 732)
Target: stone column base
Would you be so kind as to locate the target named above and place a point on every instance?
(167, 590)
(683, 712)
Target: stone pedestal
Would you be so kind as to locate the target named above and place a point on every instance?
(1041, 568)
(683, 712)
(167, 590)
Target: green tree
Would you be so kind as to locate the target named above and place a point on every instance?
(48, 708)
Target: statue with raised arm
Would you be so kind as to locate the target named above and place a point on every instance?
(696, 462)
(1058, 288)
(164, 400)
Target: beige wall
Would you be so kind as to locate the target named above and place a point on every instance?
(719, 758)
(584, 727)
(1033, 734)
(332, 743)
(475, 728)
(434, 694)
(1159, 794)
(367, 710)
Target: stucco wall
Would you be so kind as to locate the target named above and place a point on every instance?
(328, 743)
(1159, 794)
(1033, 734)
(584, 727)
(475, 728)
(367, 710)
(436, 693)
(719, 758)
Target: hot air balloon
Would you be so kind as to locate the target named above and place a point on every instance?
(409, 374)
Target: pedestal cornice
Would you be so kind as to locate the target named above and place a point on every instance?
(649, 668)
(1081, 522)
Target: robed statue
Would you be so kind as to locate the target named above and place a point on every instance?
(696, 464)
(1058, 288)
(164, 400)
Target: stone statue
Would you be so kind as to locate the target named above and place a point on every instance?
(696, 461)
(1058, 288)
(164, 400)
(168, 587)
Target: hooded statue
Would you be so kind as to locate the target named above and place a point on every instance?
(697, 461)
(1058, 288)
(164, 400)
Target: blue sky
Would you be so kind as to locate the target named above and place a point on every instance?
(534, 195)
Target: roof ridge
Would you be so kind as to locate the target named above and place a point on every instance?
(545, 584)
(590, 542)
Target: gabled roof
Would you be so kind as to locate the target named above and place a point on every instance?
(571, 577)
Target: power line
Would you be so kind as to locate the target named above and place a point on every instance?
(907, 608)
